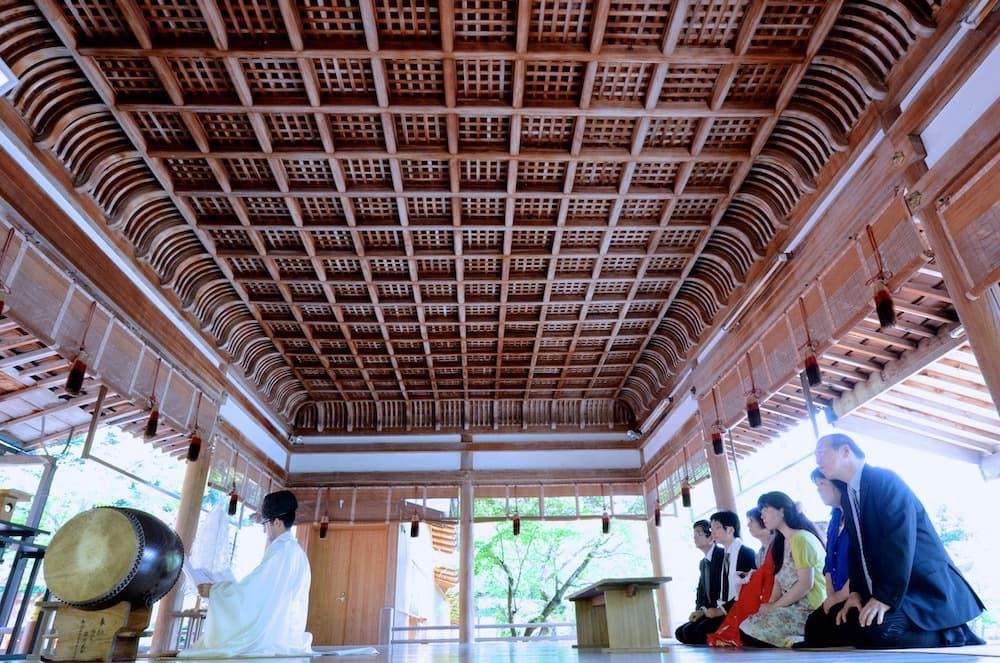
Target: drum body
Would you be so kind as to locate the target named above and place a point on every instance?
(109, 555)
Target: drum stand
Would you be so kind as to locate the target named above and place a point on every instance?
(111, 634)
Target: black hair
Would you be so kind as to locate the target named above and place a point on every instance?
(287, 519)
(728, 518)
(793, 518)
(816, 474)
(705, 526)
(837, 440)
(754, 515)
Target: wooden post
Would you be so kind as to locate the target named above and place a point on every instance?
(466, 601)
(656, 553)
(722, 481)
(188, 513)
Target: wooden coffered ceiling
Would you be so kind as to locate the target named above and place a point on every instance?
(465, 214)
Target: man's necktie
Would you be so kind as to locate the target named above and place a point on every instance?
(705, 582)
(725, 578)
(855, 501)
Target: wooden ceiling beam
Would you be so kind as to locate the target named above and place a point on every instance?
(538, 53)
(662, 111)
(585, 154)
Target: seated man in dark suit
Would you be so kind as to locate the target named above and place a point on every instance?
(905, 589)
(709, 577)
(738, 561)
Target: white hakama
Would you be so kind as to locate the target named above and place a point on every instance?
(262, 615)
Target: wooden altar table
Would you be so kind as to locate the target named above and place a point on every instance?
(618, 614)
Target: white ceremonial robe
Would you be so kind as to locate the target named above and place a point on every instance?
(262, 615)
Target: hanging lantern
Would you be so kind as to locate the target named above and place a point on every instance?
(324, 526)
(234, 499)
(605, 522)
(77, 371)
(152, 422)
(656, 516)
(686, 493)
(414, 526)
(194, 446)
(516, 523)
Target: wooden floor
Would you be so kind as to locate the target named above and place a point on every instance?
(674, 653)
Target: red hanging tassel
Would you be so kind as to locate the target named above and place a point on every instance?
(516, 523)
(717, 447)
(605, 522)
(234, 499)
(811, 365)
(685, 493)
(154, 413)
(753, 411)
(414, 526)
(77, 371)
(753, 404)
(656, 516)
(884, 306)
(152, 422)
(194, 446)
(324, 527)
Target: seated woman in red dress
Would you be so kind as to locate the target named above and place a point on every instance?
(755, 591)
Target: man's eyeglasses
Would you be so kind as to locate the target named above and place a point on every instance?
(264, 523)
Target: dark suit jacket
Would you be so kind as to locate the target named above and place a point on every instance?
(708, 596)
(909, 567)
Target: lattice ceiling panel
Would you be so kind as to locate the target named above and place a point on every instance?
(469, 199)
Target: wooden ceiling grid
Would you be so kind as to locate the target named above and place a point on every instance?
(456, 214)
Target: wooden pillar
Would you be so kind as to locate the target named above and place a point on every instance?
(722, 482)
(980, 317)
(188, 513)
(656, 553)
(466, 589)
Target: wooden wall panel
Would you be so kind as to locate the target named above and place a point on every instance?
(347, 594)
(329, 560)
(366, 589)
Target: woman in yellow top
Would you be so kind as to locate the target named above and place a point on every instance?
(799, 587)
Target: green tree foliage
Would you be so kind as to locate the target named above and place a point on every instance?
(526, 578)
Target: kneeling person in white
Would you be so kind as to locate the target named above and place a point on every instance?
(265, 613)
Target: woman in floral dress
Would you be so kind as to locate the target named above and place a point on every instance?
(799, 588)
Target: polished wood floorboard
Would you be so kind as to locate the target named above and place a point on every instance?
(564, 652)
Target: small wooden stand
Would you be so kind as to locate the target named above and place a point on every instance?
(111, 634)
(617, 615)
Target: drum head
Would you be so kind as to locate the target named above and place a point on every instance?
(91, 555)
